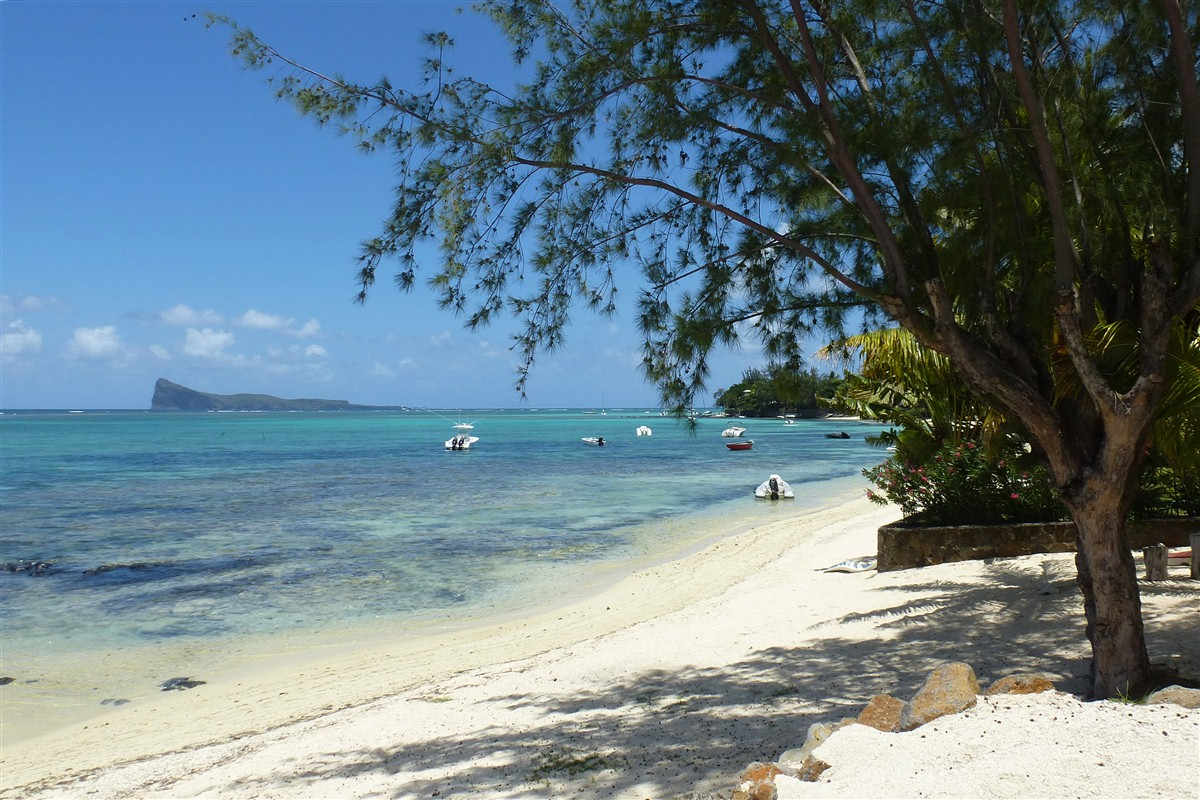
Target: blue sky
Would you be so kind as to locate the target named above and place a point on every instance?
(162, 215)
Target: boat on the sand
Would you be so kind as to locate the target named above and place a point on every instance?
(1178, 556)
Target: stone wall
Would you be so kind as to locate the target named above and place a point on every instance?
(901, 547)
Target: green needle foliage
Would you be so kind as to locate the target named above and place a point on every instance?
(997, 177)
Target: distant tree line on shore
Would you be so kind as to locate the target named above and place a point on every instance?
(777, 390)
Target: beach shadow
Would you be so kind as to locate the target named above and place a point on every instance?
(687, 733)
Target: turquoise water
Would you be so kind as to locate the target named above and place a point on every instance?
(164, 526)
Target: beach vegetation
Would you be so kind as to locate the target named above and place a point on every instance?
(962, 484)
(937, 419)
(1016, 184)
(778, 389)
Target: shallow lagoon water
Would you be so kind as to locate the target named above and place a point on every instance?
(190, 526)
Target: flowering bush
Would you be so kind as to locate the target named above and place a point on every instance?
(959, 485)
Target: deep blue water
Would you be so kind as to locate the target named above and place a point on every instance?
(162, 525)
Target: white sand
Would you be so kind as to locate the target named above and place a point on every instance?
(664, 685)
(1048, 745)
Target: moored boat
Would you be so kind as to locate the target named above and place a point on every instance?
(774, 488)
(594, 441)
(732, 431)
(743, 445)
(644, 430)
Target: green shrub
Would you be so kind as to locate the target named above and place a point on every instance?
(959, 485)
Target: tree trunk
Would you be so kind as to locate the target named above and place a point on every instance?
(1108, 579)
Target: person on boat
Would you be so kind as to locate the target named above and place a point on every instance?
(600, 441)
(774, 486)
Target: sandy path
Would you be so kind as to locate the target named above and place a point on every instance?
(663, 685)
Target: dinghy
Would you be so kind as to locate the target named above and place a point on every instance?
(744, 445)
(774, 488)
(865, 564)
(594, 441)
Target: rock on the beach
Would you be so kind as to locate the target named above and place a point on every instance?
(1179, 695)
(949, 689)
(179, 684)
(1021, 683)
(757, 782)
(811, 769)
(882, 713)
(818, 732)
(5, 680)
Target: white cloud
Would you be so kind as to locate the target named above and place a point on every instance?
(488, 350)
(439, 339)
(10, 305)
(315, 351)
(207, 343)
(253, 318)
(33, 303)
(262, 320)
(102, 342)
(19, 338)
(308, 329)
(382, 370)
(186, 315)
(160, 352)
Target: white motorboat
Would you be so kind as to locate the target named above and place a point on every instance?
(774, 488)
(461, 442)
(464, 426)
(594, 441)
(644, 430)
(736, 430)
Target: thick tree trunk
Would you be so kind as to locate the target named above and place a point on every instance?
(1108, 579)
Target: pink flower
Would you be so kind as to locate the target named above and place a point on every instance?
(971, 445)
(1014, 496)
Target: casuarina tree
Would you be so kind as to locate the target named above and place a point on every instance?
(1010, 181)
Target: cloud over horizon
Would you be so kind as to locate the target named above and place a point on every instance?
(183, 315)
(263, 321)
(96, 343)
(207, 343)
(19, 338)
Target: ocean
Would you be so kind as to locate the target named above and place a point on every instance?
(194, 527)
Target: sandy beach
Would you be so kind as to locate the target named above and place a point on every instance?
(664, 684)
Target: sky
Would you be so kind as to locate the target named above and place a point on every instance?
(162, 215)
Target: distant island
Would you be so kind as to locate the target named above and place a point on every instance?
(170, 396)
